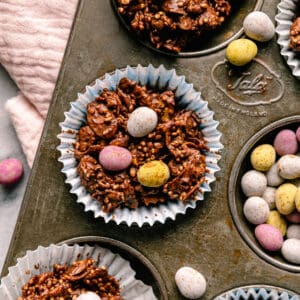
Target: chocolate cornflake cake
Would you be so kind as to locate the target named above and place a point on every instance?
(177, 141)
(295, 35)
(68, 282)
(173, 24)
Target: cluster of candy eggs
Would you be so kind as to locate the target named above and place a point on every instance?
(141, 122)
(273, 191)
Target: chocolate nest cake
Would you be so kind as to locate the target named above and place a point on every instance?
(69, 282)
(173, 24)
(177, 141)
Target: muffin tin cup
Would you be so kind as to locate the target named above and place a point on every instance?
(235, 195)
(286, 12)
(223, 36)
(186, 97)
(42, 259)
(258, 292)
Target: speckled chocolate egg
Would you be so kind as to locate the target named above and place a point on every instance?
(294, 217)
(253, 183)
(256, 210)
(190, 282)
(298, 134)
(285, 142)
(277, 220)
(269, 196)
(297, 199)
(11, 171)
(291, 250)
(293, 232)
(258, 26)
(241, 51)
(273, 177)
(285, 198)
(142, 121)
(88, 296)
(263, 157)
(115, 158)
(289, 166)
(269, 237)
(153, 174)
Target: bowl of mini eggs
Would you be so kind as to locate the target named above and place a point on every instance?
(264, 193)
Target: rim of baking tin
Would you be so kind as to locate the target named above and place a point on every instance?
(233, 185)
(130, 251)
(284, 18)
(186, 95)
(257, 290)
(187, 54)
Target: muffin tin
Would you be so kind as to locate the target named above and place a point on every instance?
(205, 238)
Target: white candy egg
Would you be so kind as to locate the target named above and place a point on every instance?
(269, 196)
(88, 296)
(273, 177)
(293, 232)
(142, 121)
(253, 183)
(291, 250)
(258, 26)
(190, 282)
(256, 210)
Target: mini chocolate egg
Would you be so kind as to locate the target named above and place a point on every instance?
(293, 232)
(276, 220)
(273, 177)
(256, 210)
(269, 237)
(258, 26)
(115, 158)
(294, 217)
(88, 296)
(263, 157)
(291, 250)
(240, 52)
(154, 173)
(269, 196)
(298, 134)
(11, 171)
(142, 121)
(289, 166)
(253, 183)
(190, 282)
(285, 198)
(285, 142)
(297, 199)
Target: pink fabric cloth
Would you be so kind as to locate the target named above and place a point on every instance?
(33, 37)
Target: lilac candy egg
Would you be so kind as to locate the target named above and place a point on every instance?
(294, 217)
(269, 237)
(11, 171)
(114, 158)
(285, 142)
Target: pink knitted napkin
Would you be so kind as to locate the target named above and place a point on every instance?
(33, 37)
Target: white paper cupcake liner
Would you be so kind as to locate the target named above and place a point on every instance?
(42, 259)
(284, 18)
(186, 97)
(258, 293)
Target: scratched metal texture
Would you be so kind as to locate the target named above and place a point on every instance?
(205, 238)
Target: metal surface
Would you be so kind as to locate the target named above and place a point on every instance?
(205, 238)
(237, 198)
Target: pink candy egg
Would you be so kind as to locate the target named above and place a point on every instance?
(269, 237)
(294, 217)
(114, 158)
(11, 170)
(285, 142)
(298, 134)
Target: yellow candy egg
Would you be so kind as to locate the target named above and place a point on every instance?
(153, 174)
(297, 199)
(285, 198)
(263, 157)
(240, 52)
(276, 220)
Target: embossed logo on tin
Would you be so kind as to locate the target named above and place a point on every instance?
(252, 85)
